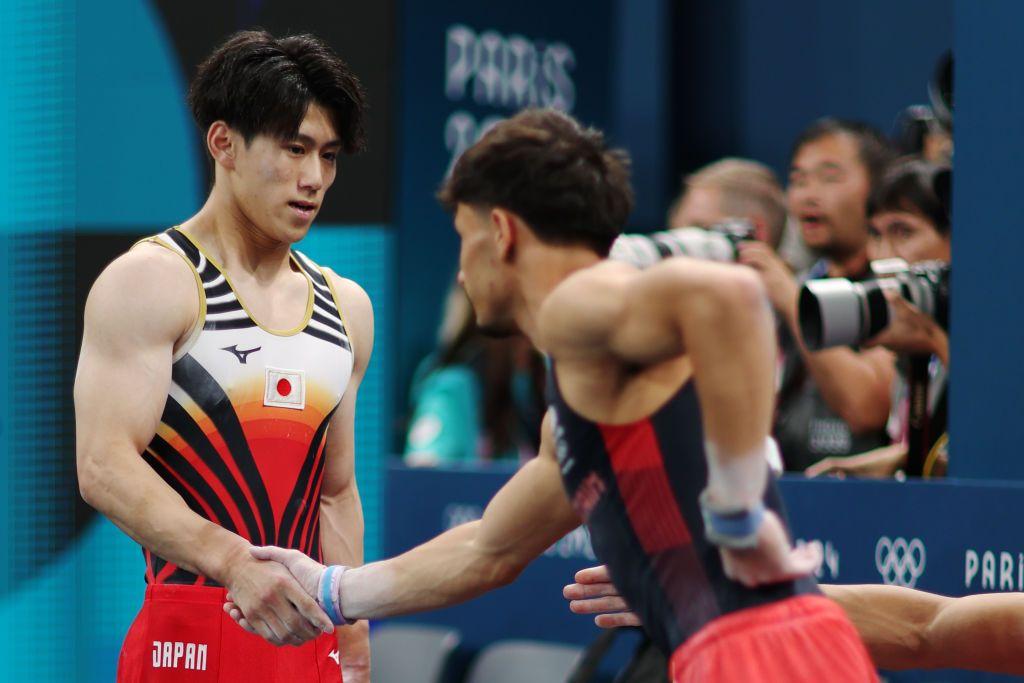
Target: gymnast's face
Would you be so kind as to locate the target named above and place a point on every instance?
(278, 186)
(484, 268)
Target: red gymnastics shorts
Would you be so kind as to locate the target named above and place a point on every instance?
(806, 639)
(182, 635)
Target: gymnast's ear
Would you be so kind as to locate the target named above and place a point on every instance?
(507, 227)
(221, 143)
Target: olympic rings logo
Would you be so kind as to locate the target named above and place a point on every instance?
(900, 562)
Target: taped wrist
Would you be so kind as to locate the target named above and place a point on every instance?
(739, 481)
(328, 594)
(732, 504)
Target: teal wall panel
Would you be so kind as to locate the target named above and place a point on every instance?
(365, 255)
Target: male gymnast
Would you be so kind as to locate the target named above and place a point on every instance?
(661, 393)
(231, 363)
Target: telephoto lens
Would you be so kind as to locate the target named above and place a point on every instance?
(716, 243)
(839, 312)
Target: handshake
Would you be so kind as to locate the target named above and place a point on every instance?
(280, 614)
(284, 615)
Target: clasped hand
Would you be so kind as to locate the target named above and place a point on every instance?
(265, 601)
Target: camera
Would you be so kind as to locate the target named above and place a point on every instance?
(715, 243)
(836, 311)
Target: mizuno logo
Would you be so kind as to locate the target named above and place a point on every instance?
(334, 656)
(241, 355)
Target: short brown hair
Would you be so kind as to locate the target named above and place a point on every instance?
(556, 175)
(746, 187)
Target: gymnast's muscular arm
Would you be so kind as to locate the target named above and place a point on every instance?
(901, 627)
(524, 518)
(909, 629)
(140, 307)
(718, 315)
(528, 514)
(341, 513)
(715, 313)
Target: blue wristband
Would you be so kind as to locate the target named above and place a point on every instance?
(326, 599)
(735, 528)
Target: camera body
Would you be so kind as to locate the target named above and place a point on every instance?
(716, 243)
(837, 311)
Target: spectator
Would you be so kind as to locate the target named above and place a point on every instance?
(714, 195)
(741, 188)
(732, 188)
(909, 213)
(833, 402)
(476, 398)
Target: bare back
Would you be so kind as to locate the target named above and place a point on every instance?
(624, 343)
(630, 437)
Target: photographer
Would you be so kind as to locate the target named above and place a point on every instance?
(721, 205)
(909, 214)
(833, 402)
(732, 188)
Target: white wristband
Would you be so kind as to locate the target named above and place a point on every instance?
(737, 482)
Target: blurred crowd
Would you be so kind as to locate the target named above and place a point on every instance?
(857, 205)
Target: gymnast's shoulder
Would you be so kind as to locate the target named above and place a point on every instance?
(146, 288)
(583, 309)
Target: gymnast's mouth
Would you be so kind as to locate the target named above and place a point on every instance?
(303, 210)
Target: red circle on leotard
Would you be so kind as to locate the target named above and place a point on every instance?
(284, 387)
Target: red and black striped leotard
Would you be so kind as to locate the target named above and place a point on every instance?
(636, 486)
(242, 433)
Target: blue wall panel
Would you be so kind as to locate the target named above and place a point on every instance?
(37, 109)
(951, 537)
(986, 431)
(803, 59)
(135, 140)
(464, 65)
(37, 170)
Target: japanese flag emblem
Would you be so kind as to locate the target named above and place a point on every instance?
(285, 389)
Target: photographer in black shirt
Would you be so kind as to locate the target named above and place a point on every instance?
(909, 219)
(833, 402)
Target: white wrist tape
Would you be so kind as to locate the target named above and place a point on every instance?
(732, 504)
(737, 482)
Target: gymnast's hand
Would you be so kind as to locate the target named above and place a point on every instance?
(274, 606)
(594, 593)
(773, 559)
(306, 571)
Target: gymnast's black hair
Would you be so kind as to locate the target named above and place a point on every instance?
(259, 84)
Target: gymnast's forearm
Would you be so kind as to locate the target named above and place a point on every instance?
(910, 629)
(979, 632)
(446, 570)
(524, 518)
(892, 621)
